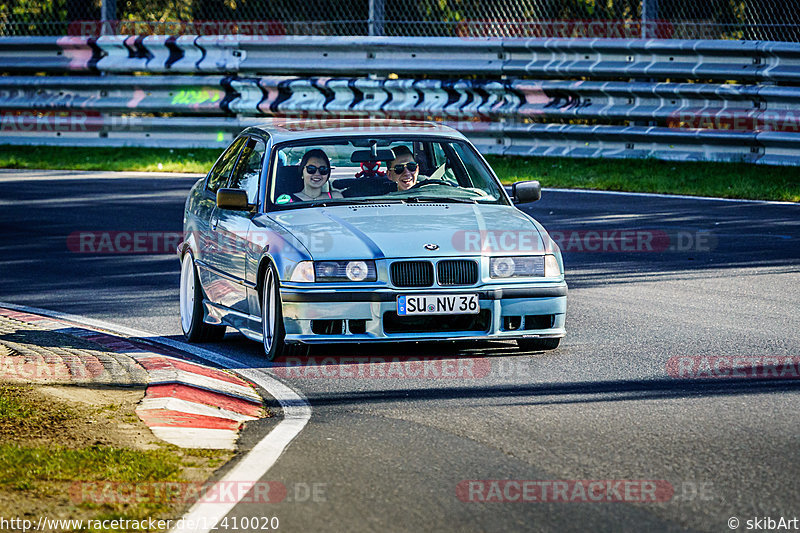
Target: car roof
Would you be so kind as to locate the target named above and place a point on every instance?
(283, 129)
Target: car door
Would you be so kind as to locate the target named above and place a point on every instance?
(208, 245)
(231, 228)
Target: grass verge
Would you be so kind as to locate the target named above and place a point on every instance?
(64, 461)
(725, 180)
(136, 159)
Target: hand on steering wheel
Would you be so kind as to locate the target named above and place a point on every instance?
(431, 182)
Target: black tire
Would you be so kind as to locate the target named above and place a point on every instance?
(194, 329)
(538, 345)
(273, 340)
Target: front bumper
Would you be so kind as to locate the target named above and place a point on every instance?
(369, 314)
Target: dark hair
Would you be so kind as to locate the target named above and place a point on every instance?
(401, 150)
(315, 152)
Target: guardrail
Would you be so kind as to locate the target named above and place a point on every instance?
(551, 58)
(644, 98)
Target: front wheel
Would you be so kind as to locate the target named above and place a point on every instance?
(272, 320)
(191, 303)
(538, 345)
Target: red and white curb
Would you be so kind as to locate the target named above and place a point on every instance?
(186, 404)
(195, 406)
(203, 517)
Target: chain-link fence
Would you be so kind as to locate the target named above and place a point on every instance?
(777, 20)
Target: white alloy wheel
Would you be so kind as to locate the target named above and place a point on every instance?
(187, 293)
(269, 312)
(191, 306)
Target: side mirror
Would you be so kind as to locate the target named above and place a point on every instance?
(235, 199)
(523, 192)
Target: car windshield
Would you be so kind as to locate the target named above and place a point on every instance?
(351, 170)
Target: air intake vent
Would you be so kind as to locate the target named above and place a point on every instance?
(457, 272)
(412, 274)
(392, 323)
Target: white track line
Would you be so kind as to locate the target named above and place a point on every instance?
(660, 195)
(678, 196)
(250, 468)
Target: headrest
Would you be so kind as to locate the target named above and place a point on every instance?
(289, 180)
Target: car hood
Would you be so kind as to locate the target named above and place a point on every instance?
(405, 230)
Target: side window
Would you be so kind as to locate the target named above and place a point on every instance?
(444, 168)
(467, 162)
(439, 157)
(248, 169)
(218, 176)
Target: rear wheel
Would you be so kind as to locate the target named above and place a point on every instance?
(191, 303)
(538, 345)
(272, 320)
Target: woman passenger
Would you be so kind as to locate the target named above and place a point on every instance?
(316, 168)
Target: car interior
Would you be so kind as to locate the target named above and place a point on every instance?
(354, 174)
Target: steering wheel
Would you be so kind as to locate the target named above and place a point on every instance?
(431, 182)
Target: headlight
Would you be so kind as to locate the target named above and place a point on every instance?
(502, 267)
(524, 267)
(304, 271)
(357, 270)
(345, 271)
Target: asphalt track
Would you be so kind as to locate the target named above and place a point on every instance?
(691, 278)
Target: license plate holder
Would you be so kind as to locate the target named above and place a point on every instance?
(438, 304)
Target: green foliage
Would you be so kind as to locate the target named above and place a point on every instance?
(20, 464)
(724, 180)
(73, 158)
(767, 19)
(14, 407)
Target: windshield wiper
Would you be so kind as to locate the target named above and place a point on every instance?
(350, 201)
(437, 199)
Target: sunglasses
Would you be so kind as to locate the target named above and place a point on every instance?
(312, 169)
(398, 169)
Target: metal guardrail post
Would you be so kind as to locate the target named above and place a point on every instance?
(649, 12)
(108, 15)
(377, 16)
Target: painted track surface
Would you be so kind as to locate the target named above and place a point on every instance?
(390, 452)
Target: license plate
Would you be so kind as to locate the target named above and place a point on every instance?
(438, 304)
